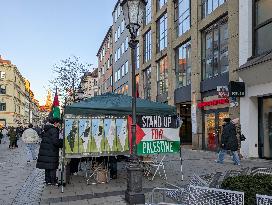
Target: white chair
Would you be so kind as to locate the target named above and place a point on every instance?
(154, 166)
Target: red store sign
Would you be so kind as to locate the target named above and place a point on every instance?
(213, 103)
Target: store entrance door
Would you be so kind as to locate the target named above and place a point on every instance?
(214, 120)
(265, 127)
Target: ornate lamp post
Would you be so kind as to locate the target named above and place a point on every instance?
(133, 11)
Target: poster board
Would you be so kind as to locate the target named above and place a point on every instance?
(96, 136)
(157, 135)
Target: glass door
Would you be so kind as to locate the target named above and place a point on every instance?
(265, 136)
(210, 134)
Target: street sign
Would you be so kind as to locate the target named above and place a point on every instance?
(157, 134)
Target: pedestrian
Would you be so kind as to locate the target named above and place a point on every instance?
(12, 137)
(5, 134)
(229, 142)
(30, 138)
(48, 157)
(237, 124)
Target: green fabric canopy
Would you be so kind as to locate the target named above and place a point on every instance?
(116, 104)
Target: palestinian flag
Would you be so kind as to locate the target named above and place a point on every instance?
(55, 111)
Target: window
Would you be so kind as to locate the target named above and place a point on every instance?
(110, 59)
(263, 26)
(115, 56)
(162, 32)
(119, 32)
(3, 107)
(123, 70)
(183, 64)
(208, 6)
(3, 89)
(160, 3)
(119, 74)
(121, 50)
(147, 46)
(182, 16)
(215, 49)
(123, 47)
(147, 83)
(115, 76)
(115, 36)
(148, 12)
(138, 57)
(122, 26)
(118, 53)
(162, 79)
(126, 44)
(103, 51)
(111, 80)
(126, 67)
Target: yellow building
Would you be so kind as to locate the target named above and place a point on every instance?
(12, 95)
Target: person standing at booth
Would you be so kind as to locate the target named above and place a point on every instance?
(48, 157)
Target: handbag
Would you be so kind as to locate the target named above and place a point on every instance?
(242, 138)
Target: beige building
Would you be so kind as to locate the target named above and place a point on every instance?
(12, 95)
(89, 84)
(189, 51)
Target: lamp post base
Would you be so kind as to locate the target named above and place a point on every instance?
(134, 193)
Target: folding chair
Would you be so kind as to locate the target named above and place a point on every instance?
(154, 164)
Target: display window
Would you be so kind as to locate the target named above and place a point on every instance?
(213, 126)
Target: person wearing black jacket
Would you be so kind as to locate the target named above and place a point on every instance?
(229, 142)
(48, 157)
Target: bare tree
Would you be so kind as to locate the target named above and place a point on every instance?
(67, 76)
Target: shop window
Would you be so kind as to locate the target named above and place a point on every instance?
(215, 49)
(147, 46)
(3, 107)
(183, 65)
(162, 33)
(263, 26)
(147, 83)
(162, 79)
(148, 12)
(182, 16)
(208, 6)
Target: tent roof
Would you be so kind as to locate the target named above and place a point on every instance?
(117, 104)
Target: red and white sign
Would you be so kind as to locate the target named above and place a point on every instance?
(213, 103)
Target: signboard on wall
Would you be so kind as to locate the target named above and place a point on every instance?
(236, 89)
(223, 91)
(193, 116)
(157, 134)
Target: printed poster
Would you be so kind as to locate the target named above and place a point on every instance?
(97, 141)
(71, 136)
(84, 135)
(122, 135)
(110, 135)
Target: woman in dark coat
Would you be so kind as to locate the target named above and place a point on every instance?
(48, 157)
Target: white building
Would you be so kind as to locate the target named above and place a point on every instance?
(89, 84)
(255, 61)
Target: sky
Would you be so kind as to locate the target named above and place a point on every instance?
(36, 34)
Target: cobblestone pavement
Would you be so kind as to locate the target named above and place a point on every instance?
(22, 184)
(14, 170)
(198, 162)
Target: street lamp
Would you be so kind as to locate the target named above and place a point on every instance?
(133, 11)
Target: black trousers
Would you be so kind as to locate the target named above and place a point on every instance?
(50, 176)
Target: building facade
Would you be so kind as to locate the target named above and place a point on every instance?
(89, 84)
(189, 50)
(255, 50)
(12, 95)
(105, 61)
(121, 53)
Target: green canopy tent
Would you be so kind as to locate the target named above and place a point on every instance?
(117, 105)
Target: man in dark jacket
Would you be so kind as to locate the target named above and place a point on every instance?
(229, 142)
(48, 157)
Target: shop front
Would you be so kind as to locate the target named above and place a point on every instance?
(185, 132)
(213, 114)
